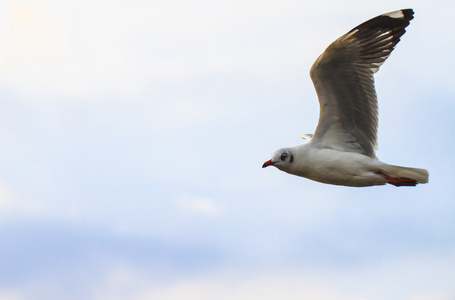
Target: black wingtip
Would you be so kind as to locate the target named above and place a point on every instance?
(408, 14)
(395, 20)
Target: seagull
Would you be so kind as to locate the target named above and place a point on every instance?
(342, 149)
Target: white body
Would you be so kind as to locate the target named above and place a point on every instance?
(345, 168)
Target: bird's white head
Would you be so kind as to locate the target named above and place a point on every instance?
(281, 158)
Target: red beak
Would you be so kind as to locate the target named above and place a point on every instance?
(268, 163)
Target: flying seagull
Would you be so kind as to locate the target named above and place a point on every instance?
(342, 149)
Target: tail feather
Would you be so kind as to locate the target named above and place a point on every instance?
(419, 175)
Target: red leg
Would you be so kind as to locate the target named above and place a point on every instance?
(399, 181)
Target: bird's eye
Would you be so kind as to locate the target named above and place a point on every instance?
(283, 156)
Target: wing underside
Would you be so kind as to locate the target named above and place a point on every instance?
(343, 79)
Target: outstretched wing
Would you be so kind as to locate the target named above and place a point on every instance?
(343, 78)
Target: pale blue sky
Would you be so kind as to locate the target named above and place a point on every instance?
(133, 136)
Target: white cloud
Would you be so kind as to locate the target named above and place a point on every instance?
(227, 284)
(8, 295)
(401, 279)
(95, 49)
(261, 287)
(54, 49)
(200, 205)
(433, 295)
(12, 204)
(6, 197)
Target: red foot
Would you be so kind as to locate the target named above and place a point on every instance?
(399, 181)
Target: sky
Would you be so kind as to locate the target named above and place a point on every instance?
(133, 135)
